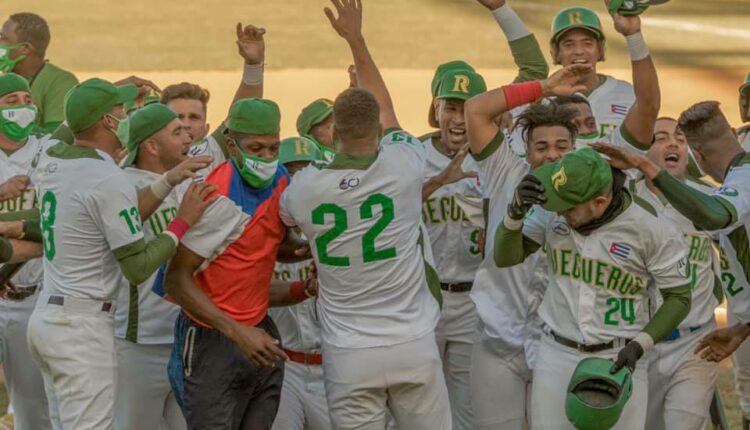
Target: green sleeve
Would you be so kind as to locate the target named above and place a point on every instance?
(705, 211)
(529, 58)
(63, 134)
(512, 247)
(670, 314)
(28, 214)
(54, 101)
(139, 260)
(6, 250)
(221, 139)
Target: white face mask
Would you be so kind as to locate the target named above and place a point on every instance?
(263, 169)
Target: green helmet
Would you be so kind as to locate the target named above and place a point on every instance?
(596, 398)
(628, 7)
(298, 149)
(576, 17)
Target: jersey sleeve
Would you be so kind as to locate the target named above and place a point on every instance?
(416, 150)
(214, 227)
(113, 204)
(622, 138)
(667, 261)
(285, 208)
(497, 162)
(535, 224)
(735, 195)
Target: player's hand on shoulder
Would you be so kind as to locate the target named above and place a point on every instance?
(627, 357)
(250, 43)
(258, 346)
(14, 187)
(196, 199)
(348, 24)
(625, 25)
(566, 81)
(188, 168)
(492, 4)
(529, 192)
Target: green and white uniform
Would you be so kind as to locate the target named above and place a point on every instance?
(610, 103)
(363, 216)
(212, 145)
(48, 89)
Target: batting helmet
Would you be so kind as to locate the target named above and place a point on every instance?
(628, 7)
(596, 398)
(298, 149)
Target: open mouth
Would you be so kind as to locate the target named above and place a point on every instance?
(580, 61)
(186, 151)
(457, 132)
(671, 159)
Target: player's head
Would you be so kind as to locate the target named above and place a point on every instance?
(356, 120)
(157, 141)
(295, 153)
(17, 110)
(454, 89)
(578, 186)
(440, 71)
(190, 102)
(316, 121)
(94, 111)
(710, 137)
(24, 35)
(577, 37)
(745, 100)
(584, 116)
(669, 150)
(549, 132)
(253, 140)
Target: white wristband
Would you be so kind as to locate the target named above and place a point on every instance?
(644, 339)
(637, 46)
(510, 22)
(161, 187)
(512, 224)
(252, 74)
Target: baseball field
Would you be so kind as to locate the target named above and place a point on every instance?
(702, 51)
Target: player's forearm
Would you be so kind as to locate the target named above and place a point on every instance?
(28, 214)
(251, 85)
(151, 197)
(529, 58)
(670, 314)
(293, 248)
(180, 285)
(641, 117)
(511, 246)
(370, 79)
(282, 293)
(705, 211)
(139, 260)
(16, 251)
(429, 187)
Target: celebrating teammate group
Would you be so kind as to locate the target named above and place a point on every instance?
(550, 257)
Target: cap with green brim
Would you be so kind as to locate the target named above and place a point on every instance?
(130, 106)
(577, 178)
(144, 123)
(460, 84)
(435, 84)
(576, 17)
(745, 88)
(254, 116)
(11, 82)
(313, 114)
(89, 101)
(298, 149)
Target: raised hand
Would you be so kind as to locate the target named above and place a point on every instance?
(566, 81)
(492, 4)
(625, 25)
(619, 157)
(453, 171)
(348, 24)
(529, 192)
(144, 85)
(187, 169)
(250, 43)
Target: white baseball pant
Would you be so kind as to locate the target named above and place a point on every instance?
(741, 365)
(303, 403)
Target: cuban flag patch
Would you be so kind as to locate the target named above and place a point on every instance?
(620, 250)
(619, 109)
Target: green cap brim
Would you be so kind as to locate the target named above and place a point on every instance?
(596, 31)
(130, 159)
(554, 203)
(317, 119)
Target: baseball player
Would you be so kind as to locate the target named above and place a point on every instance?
(91, 226)
(578, 38)
(604, 253)
(315, 122)
(362, 215)
(681, 385)
(743, 133)
(24, 39)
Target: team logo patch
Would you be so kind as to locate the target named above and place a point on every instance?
(619, 109)
(559, 179)
(620, 250)
(729, 192)
(346, 184)
(682, 267)
(561, 228)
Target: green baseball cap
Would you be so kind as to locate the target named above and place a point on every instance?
(89, 101)
(596, 398)
(11, 82)
(628, 7)
(313, 114)
(298, 149)
(460, 84)
(144, 123)
(744, 88)
(576, 17)
(577, 178)
(435, 84)
(254, 116)
(130, 106)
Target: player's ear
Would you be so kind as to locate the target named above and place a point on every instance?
(602, 49)
(150, 146)
(436, 106)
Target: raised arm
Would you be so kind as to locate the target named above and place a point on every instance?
(252, 48)
(348, 25)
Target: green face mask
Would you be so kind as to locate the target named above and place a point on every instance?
(6, 63)
(17, 122)
(257, 172)
(122, 132)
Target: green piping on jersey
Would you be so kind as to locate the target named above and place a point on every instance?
(131, 333)
(72, 152)
(429, 135)
(220, 138)
(632, 140)
(431, 276)
(739, 240)
(491, 147)
(346, 162)
(644, 204)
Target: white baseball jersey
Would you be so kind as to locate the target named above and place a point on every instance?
(298, 325)
(20, 163)
(703, 259)
(89, 208)
(209, 145)
(597, 287)
(610, 103)
(506, 298)
(454, 238)
(363, 219)
(142, 316)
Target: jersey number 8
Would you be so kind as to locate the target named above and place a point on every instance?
(49, 206)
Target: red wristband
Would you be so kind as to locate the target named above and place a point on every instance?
(297, 291)
(521, 94)
(178, 227)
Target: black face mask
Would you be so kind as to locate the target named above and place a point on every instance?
(620, 201)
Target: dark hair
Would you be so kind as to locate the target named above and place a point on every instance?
(32, 29)
(185, 90)
(703, 122)
(542, 114)
(572, 99)
(356, 114)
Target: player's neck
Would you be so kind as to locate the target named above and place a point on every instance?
(591, 81)
(104, 145)
(29, 67)
(8, 146)
(149, 165)
(358, 148)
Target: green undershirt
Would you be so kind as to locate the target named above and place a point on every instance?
(707, 212)
(140, 259)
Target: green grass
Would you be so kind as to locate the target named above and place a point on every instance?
(95, 35)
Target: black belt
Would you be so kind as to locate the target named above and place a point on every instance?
(456, 287)
(592, 348)
(60, 300)
(20, 293)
